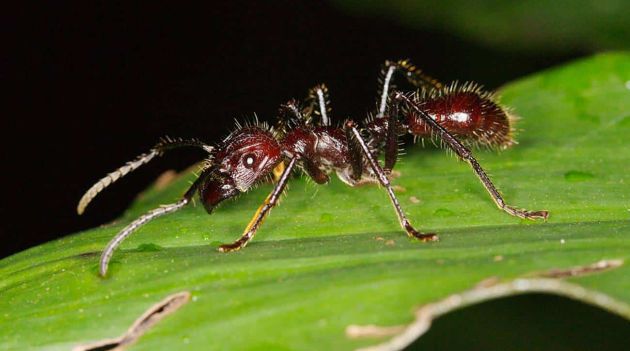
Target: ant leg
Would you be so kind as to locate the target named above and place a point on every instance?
(386, 77)
(157, 150)
(382, 177)
(289, 111)
(466, 155)
(414, 76)
(262, 211)
(391, 141)
(316, 174)
(142, 220)
(356, 160)
(318, 97)
(417, 77)
(355, 177)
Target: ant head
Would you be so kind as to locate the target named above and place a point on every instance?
(245, 157)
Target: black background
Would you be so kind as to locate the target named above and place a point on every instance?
(90, 86)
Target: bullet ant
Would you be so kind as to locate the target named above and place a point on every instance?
(304, 137)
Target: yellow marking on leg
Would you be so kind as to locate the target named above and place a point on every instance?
(253, 220)
(278, 170)
(244, 239)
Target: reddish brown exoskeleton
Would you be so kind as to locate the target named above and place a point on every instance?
(457, 115)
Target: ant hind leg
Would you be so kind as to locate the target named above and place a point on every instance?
(466, 155)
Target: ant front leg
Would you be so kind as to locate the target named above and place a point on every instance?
(262, 212)
(319, 103)
(466, 155)
(382, 177)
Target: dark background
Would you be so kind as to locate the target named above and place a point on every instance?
(89, 87)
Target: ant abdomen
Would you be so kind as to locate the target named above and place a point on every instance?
(467, 112)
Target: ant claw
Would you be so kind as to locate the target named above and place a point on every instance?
(428, 237)
(235, 246)
(531, 215)
(424, 237)
(544, 215)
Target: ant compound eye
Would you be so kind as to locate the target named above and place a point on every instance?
(249, 160)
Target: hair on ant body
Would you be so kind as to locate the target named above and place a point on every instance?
(459, 115)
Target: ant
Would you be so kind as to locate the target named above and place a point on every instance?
(305, 138)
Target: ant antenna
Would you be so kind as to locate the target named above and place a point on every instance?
(322, 107)
(164, 145)
(118, 239)
(160, 211)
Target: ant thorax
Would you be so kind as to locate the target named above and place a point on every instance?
(324, 150)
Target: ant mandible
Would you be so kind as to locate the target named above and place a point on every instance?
(304, 137)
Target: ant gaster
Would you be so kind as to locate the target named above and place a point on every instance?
(305, 138)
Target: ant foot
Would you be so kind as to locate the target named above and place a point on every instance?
(538, 215)
(424, 237)
(533, 215)
(235, 246)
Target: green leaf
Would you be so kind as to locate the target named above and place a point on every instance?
(333, 256)
(549, 25)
